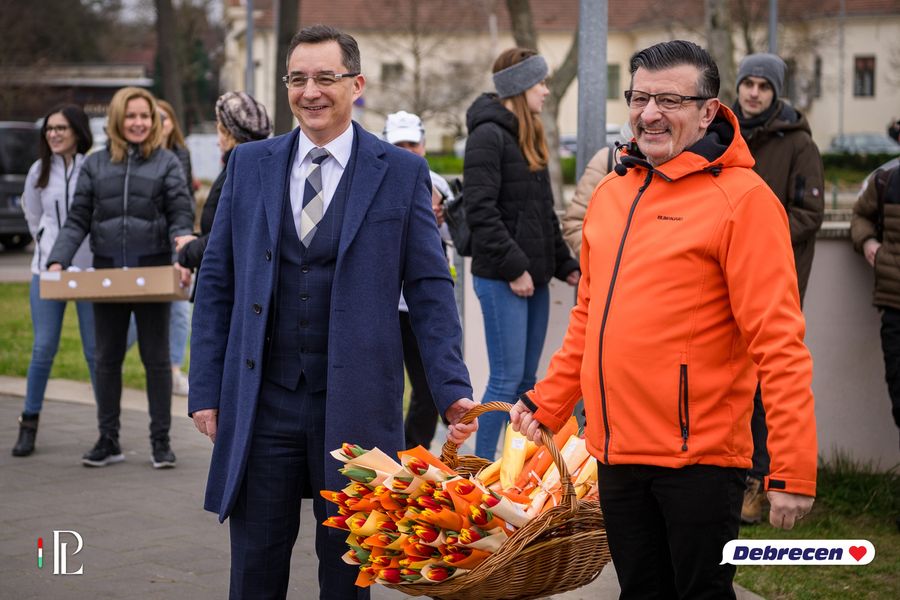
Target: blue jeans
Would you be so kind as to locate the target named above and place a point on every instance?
(46, 321)
(179, 327)
(514, 329)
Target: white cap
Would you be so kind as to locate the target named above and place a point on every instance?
(403, 127)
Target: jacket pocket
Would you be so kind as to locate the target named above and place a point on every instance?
(684, 417)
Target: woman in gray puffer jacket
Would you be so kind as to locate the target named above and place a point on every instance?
(133, 201)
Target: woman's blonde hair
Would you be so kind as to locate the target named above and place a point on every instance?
(176, 138)
(118, 145)
(532, 141)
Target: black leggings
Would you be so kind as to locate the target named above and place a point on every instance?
(111, 332)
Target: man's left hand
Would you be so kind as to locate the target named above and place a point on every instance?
(574, 277)
(459, 432)
(786, 509)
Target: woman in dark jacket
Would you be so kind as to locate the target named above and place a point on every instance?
(517, 246)
(132, 199)
(239, 118)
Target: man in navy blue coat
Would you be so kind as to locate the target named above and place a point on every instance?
(296, 342)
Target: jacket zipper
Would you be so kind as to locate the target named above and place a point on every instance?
(612, 285)
(125, 209)
(684, 419)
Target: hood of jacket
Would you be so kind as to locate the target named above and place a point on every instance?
(488, 109)
(718, 149)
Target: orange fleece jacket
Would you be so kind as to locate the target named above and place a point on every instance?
(688, 297)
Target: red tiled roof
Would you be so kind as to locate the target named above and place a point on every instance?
(555, 15)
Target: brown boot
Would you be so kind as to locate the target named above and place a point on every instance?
(28, 425)
(754, 499)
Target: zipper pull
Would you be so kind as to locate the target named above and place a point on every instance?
(684, 436)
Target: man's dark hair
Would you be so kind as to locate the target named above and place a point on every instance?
(666, 55)
(319, 34)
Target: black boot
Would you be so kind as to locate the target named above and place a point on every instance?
(28, 425)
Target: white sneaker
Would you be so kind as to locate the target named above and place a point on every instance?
(179, 384)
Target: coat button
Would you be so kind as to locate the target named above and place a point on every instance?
(304, 297)
(304, 269)
(251, 363)
(257, 308)
(268, 254)
(304, 323)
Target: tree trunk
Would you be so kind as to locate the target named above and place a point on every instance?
(169, 72)
(720, 46)
(559, 81)
(288, 12)
(522, 23)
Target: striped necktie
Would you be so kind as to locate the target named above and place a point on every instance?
(313, 198)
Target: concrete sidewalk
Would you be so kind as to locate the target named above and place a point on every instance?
(145, 532)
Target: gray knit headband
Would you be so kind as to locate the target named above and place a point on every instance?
(516, 79)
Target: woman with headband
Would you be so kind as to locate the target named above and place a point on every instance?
(517, 246)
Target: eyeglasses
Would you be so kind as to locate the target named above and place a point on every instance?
(57, 129)
(666, 102)
(323, 79)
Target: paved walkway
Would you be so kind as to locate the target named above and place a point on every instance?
(145, 533)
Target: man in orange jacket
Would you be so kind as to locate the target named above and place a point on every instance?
(688, 293)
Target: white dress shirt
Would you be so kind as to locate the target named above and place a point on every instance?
(340, 149)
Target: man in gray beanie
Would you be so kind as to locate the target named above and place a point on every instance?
(788, 160)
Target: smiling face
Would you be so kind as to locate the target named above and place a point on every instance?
(324, 112)
(662, 136)
(60, 135)
(138, 121)
(755, 95)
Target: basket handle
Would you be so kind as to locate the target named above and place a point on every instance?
(450, 457)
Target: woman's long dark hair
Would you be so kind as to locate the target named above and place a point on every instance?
(78, 123)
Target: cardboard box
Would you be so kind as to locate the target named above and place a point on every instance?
(137, 284)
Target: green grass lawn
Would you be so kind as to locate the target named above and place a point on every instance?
(15, 349)
(854, 502)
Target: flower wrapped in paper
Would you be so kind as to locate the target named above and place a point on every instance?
(422, 463)
(437, 573)
(462, 557)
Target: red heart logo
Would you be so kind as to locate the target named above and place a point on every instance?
(857, 552)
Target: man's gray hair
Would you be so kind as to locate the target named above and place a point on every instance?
(666, 55)
(319, 34)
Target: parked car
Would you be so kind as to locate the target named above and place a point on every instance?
(568, 143)
(18, 150)
(863, 143)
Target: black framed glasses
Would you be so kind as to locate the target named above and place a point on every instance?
(323, 79)
(666, 101)
(57, 129)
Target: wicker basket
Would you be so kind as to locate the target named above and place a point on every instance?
(559, 550)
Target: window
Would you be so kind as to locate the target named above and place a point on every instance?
(391, 72)
(790, 90)
(864, 76)
(613, 85)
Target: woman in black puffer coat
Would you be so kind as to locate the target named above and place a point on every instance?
(517, 246)
(133, 200)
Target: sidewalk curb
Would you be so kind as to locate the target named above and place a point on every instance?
(81, 392)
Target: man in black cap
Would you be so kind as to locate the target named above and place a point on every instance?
(788, 160)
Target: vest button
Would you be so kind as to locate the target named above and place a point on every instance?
(304, 297)
(257, 308)
(250, 363)
(304, 323)
(304, 269)
(268, 254)
(303, 349)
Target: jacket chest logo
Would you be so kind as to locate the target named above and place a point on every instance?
(669, 218)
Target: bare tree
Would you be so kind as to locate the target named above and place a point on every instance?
(169, 70)
(525, 36)
(288, 11)
(720, 45)
(416, 73)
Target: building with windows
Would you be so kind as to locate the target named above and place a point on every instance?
(434, 56)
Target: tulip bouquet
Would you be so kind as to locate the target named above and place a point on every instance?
(419, 521)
